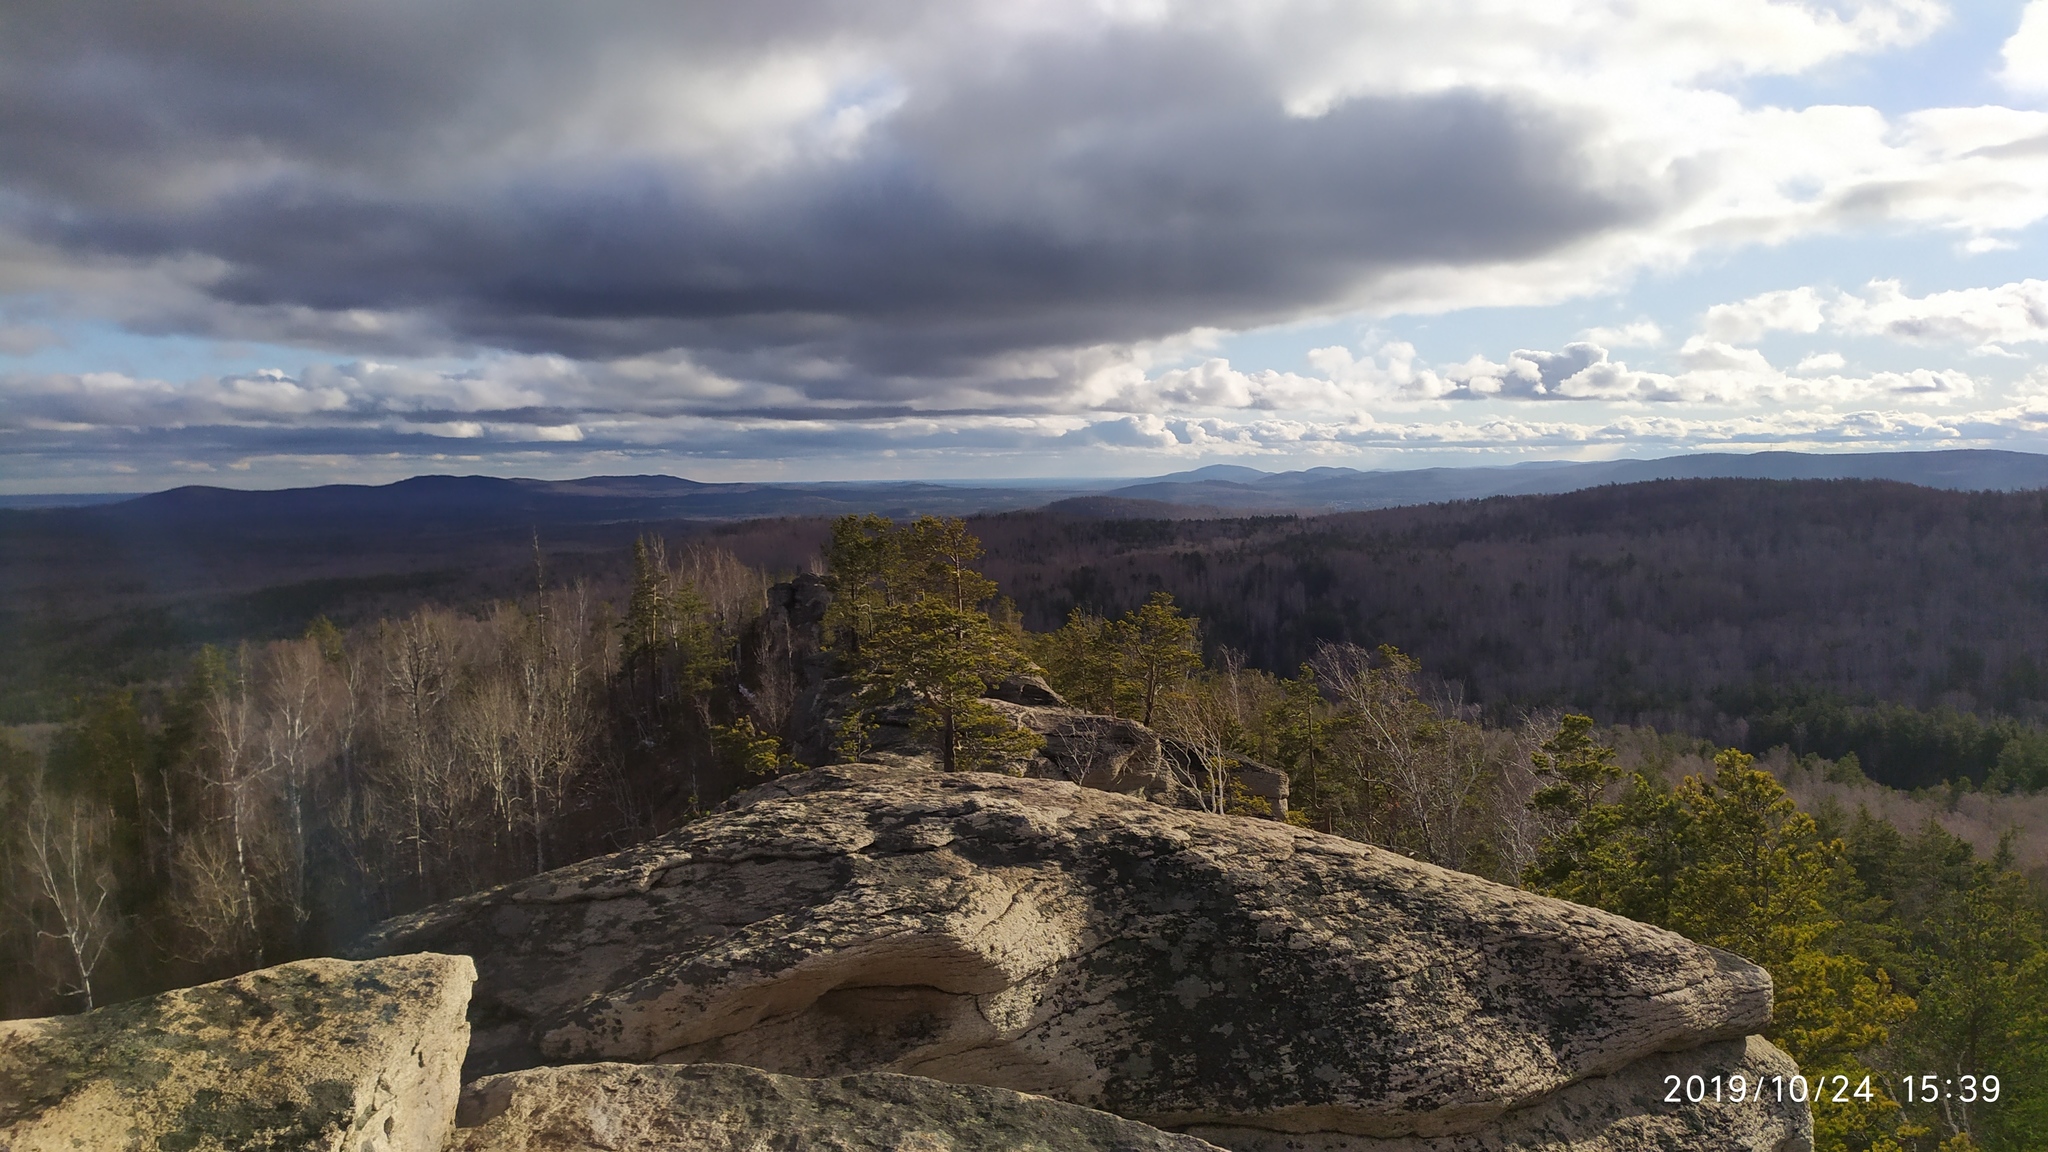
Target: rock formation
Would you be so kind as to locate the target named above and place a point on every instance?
(320, 1054)
(1625, 1112)
(1103, 752)
(882, 956)
(727, 1108)
(1265, 985)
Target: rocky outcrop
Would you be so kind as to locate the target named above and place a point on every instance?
(1094, 751)
(1028, 689)
(319, 1054)
(1628, 1111)
(1103, 752)
(727, 1108)
(1186, 970)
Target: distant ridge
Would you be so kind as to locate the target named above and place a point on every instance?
(1348, 489)
(440, 503)
(1125, 508)
(62, 499)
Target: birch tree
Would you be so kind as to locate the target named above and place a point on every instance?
(236, 772)
(67, 856)
(294, 732)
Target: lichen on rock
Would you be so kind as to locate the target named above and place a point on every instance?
(728, 1108)
(317, 1054)
(1182, 969)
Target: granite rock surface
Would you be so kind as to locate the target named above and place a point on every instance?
(1628, 1111)
(314, 1055)
(728, 1108)
(1186, 970)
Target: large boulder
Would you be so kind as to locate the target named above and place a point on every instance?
(319, 1054)
(1027, 688)
(1629, 1111)
(727, 1108)
(1174, 967)
(1104, 752)
(1101, 752)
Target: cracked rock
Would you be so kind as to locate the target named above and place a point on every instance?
(727, 1108)
(318, 1054)
(1185, 970)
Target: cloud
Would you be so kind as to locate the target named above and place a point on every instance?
(1640, 334)
(1747, 321)
(1125, 432)
(790, 229)
(821, 182)
(2005, 314)
(23, 339)
(892, 203)
(1709, 371)
(1983, 318)
(2025, 53)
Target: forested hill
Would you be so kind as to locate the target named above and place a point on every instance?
(1692, 604)
(1755, 612)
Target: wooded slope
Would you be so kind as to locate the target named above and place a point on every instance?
(1684, 604)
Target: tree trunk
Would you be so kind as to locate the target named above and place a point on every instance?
(242, 873)
(300, 913)
(540, 853)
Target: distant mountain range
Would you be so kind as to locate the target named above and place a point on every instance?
(433, 502)
(1346, 489)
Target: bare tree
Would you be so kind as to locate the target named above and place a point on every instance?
(295, 729)
(733, 591)
(1368, 734)
(485, 732)
(555, 691)
(1440, 797)
(67, 855)
(1430, 763)
(1200, 718)
(238, 771)
(417, 680)
(209, 905)
(1516, 829)
(772, 699)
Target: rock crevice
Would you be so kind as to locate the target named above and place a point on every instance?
(864, 957)
(1173, 967)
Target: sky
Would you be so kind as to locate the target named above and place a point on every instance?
(359, 240)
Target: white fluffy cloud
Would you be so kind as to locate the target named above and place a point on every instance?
(1710, 372)
(1981, 318)
(2025, 54)
(2005, 314)
(1640, 334)
(1746, 321)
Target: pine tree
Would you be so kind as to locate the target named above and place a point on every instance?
(1732, 862)
(935, 556)
(944, 658)
(1161, 650)
(1082, 661)
(860, 557)
(1300, 742)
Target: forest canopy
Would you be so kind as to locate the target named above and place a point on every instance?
(275, 798)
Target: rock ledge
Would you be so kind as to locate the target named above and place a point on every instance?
(318, 1054)
(1178, 968)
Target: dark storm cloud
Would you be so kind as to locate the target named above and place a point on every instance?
(409, 160)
